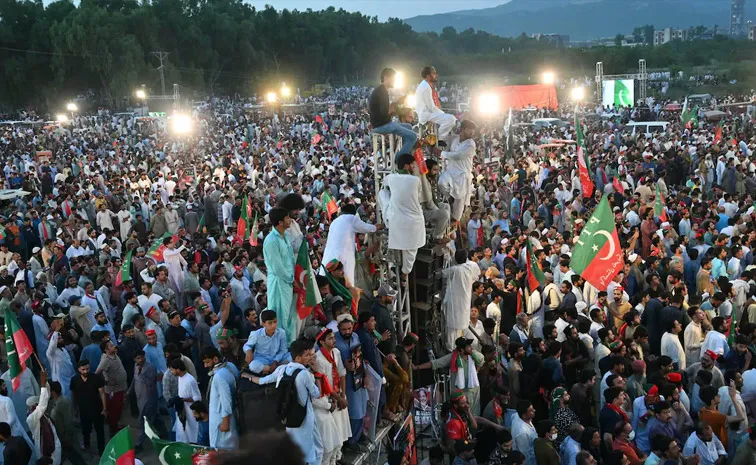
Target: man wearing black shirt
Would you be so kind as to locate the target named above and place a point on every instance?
(381, 112)
(89, 391)
(16, 449)
(177, 334)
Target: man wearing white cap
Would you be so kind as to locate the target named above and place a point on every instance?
(35, 263)
(45, 446)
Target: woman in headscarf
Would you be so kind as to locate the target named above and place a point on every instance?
(561, 414)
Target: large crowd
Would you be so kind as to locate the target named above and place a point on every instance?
(166, 274)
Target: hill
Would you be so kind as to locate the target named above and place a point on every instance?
(581, 19)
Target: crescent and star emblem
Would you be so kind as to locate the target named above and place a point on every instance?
(611, 244)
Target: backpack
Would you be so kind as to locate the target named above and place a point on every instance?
(290, 412)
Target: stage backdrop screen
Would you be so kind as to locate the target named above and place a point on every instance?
(620, 92)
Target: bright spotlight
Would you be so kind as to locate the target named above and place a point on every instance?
(578, 94)
(411, 100)
(141, 94)
(271, 97)
(72, 107)
(488, 104)
(61, 118)
(399, 80)
(285, 91)
(548, 77)
(182, 124)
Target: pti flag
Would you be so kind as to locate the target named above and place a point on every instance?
(156, 251)
(18, 347)
(659, 210)
(597, 256)
(535, 274)
(718, 135)
(253, 234)
(124, 274)
(242, 226)
(308, 295)
(120, 450)
(328, 204)
(585, 174)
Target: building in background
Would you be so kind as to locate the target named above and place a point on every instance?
(737, 18)
(669, 34)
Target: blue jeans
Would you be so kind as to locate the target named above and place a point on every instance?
(403, 130)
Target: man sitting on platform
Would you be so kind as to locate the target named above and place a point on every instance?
(428, 106)
(381, 112)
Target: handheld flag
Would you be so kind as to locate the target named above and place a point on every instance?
(201, 224)
(156, 251)
(659, 210)
(254, 233)
(18, 347)
(120, 450)
(585, 175)
(308, 295)
(124, 274)
(328, 204)
(535, 274)
(597, 256)
(718, 135)
(177, 453)
(242, 226)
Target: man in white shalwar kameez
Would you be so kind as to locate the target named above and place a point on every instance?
(400, 202)
(427, 106)
(61, 366)
(124, 222)
(189, 392)
(176, 264)
(328, 362)
(8, 415)
(341, 239)
(307, 435)
(28, 388)
(456, 305)
(38, 406)
(456, 179)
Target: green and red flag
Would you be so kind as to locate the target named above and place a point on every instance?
(586, 183)
(535, 274)
(2, 233)
(18, 347)
(201, 224)
(597, 255)
(120, 450)
(156, 251)
(328, 204)
(242, 226)
(659, 210)
(718, 135)
(308, 294)
(254, 233)
(124, 274)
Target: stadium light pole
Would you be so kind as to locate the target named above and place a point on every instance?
(285, 91)
(271, 97)
(72, 108)
(577, 94)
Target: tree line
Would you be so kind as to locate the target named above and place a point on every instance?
(54, 52)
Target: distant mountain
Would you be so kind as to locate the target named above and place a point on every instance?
(583, 19)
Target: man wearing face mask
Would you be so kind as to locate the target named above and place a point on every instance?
(623, 441)
(543, 446)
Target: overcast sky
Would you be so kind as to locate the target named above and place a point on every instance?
(382, 8)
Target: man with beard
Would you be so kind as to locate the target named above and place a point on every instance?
(428, 106)
(221, 392)
(707, 364)
(89, 391)
(348, 344)
(229, 347)
(574, 355)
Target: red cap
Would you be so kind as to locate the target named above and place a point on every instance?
(654, 391)
(150, 312)
(149, 332)
(674, 377)
(189, 309)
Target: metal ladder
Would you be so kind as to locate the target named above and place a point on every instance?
(384, 150)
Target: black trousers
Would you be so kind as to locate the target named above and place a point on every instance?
(88, 420)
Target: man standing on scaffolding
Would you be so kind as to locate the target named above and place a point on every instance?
(381, 112)
(456, 179)
(428, 105)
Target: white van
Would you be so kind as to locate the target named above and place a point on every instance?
(648, 128)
